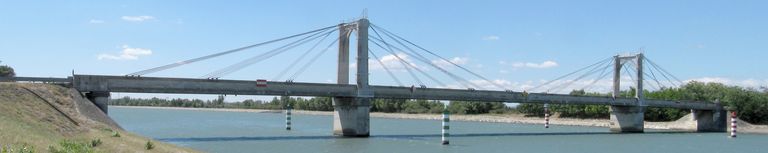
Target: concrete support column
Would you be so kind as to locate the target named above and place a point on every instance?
(639, 78)
(363, 88)
(616, 77)
(351, 117)
(711, 120)
(100, 99)
(627, 119)
(343, 61)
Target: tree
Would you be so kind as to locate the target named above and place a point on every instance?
(219, 100)
(473, 107)
(248, 103)
(6, 71)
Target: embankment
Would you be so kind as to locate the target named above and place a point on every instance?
(43, 117)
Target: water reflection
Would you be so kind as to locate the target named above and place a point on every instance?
(409, 136)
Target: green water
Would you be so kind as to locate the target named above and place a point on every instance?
(212, 131)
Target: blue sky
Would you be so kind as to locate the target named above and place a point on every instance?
(517, 43)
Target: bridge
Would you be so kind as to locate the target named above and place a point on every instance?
(352, 101)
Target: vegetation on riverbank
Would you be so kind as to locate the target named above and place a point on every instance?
(751, 104)
(51, 118)
(6, 71)
(322, 104)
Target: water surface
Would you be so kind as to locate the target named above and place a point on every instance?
(214, 131)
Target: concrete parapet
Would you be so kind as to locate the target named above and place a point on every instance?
(627, 119)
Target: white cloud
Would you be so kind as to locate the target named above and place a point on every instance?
(446, 64)
(127, 53)
(491, 38)
(485, 85)
(392, 63)
(558, 87)
(542, 65)
(138, 18)
(94, 21)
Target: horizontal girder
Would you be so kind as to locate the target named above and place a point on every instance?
(100, 83)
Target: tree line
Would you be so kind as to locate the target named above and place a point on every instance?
(322, 104)
(750, 104)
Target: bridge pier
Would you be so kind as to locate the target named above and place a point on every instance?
(711, 120)
(100, 99)
(627, 119)
(351, 116)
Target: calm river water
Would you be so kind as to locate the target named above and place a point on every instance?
(213, 131)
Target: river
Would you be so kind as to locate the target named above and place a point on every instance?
(219, 131)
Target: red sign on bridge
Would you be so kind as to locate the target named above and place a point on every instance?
(261, 83)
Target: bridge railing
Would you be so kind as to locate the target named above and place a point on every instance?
(36, 79)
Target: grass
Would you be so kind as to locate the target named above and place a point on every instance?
(24, 148)
(95, 142)
(26, 121)
(68, 146)
(115, 134)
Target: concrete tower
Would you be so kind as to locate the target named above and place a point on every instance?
(351, 114)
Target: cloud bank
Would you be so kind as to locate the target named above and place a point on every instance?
(127, 53)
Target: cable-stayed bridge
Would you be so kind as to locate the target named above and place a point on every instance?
(352, 101)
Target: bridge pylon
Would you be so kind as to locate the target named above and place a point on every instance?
(351, 117)
(628, 119)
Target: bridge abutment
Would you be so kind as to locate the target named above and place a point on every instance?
(627, 119)
(351, 116)
(100, 99)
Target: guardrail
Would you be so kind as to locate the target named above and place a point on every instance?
(36, 79)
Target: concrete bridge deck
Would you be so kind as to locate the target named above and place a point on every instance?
(102, 83)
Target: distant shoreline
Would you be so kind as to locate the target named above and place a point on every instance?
(684, 124)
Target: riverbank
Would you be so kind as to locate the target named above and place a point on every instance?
(683, 124)
(52, 118)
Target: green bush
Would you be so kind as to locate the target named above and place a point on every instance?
(95, 142)
(149, 145)
(6, 71)
(71, 147)
(115, 134)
